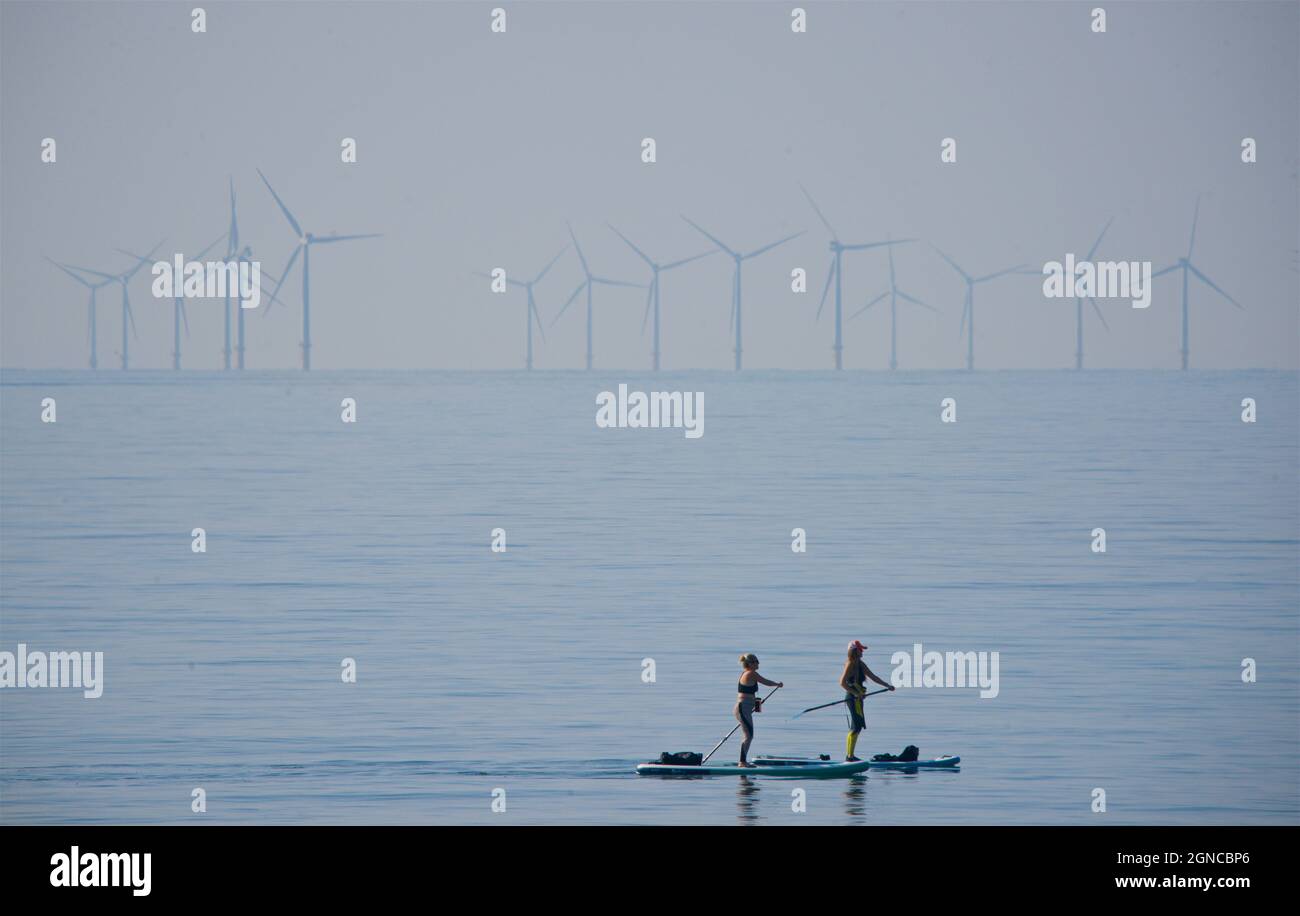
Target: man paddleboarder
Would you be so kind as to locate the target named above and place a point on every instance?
(853, 681)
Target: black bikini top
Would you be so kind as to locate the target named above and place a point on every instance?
(747, 688)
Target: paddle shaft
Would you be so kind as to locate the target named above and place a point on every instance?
(845, 700)
(732, 732)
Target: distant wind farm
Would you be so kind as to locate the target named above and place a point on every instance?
(237, 252)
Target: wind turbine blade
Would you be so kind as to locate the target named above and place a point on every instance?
(108, 278)
(1093, 249)
(550, 264)
(915, 301)
(869, 305)
(965, 309)
(82, 280)
(1096, 308)
(821, 216)
(649, 297)
(578, 248)
(565, 308)
(1163, 271)
(279, 283)
(199, 256)
(965, 275)
(268, 282)
(1018, 267)
(645, 257)
(232, 235)
(322, 239)
(757, 251)
(609, 282)
(695, 257)
(1196, 214)
(126, 301)
(830, 275)
(864, 246)
(185, 319)
(141, 262)
(283, 209)
(712, 238)
(537, 316)
(1210, 283)
(735, 288)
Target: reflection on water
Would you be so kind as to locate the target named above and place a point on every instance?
(855, 797)
(748, 796)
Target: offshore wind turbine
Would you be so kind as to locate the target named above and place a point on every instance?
(178, 304)
(124, 280)
(836, 273)
(968, 308)
(894, 294)
(1187, 267)
(736, 312)
(1078, 304)
(233, 255)
(653, 295)
(237, 256)
(91, 330)
(589, 284)
(305, 241)
(531, 314)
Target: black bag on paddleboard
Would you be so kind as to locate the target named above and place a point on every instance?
(682, 759)
(910, 754)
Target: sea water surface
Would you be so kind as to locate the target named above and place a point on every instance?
(523, 671)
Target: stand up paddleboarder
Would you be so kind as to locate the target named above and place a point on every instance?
(748, 703)
(853, 681)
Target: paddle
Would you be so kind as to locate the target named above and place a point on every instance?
(732, 732)
(836, 703)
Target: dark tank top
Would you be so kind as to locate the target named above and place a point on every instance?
(747, 688)
(859, 677)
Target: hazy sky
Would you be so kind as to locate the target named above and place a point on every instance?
(474, 148)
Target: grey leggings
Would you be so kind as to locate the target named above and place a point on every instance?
(745, 716)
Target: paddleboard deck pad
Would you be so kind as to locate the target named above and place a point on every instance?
(934, 763)
(807, 769)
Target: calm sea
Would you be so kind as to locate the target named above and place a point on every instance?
(522, 670)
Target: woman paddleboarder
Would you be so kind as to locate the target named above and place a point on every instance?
(748, 703)
(853, 680)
